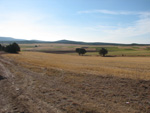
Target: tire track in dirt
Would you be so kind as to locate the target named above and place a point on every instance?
(22, 90)
(7, 89)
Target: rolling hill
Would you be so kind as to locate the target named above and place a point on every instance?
(10, 40)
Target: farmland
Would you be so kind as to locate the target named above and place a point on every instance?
(92, 50)
(130, 67)
(75, 56)
(67, 83)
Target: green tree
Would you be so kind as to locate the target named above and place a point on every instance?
(15, 47)
(80, 51)
(0, 47)
(103, 52)
(12, 48)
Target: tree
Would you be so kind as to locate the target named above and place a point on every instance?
(77, 50)
(103, 52)
(80, 51)
(0, 47)
(15, 47)
(12, 48)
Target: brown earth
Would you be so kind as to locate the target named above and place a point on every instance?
(60, 91)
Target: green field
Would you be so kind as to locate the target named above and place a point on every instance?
(124, 51)
(91, 50)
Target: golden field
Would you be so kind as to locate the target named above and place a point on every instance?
(124, 67)
(59, 83)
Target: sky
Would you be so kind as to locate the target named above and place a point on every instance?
(114, 21)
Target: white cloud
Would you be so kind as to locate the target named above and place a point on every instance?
(132, 32)
(140, 27)
(115, 12)
(128, 34)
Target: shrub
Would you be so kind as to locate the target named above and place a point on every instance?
(0, 47)
(80, 51)
(103, 52)
(12, 48)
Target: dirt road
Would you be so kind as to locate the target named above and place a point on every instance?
(16, 91)
(61, 91)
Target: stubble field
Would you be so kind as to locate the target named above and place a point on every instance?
(126, 67)
(63, 83)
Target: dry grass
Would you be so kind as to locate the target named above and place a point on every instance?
(80, 84)
(48, 47)
(124, 67)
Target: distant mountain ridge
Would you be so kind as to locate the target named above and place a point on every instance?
(10, 40)
(85, 43)
(97, 43)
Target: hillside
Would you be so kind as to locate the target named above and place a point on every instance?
(85, 43)
(21, 41)
(3, 39)
(96, 43)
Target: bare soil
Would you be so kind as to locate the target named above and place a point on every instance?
(61, 91)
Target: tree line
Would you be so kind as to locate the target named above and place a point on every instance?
(82, 51)
(11, 48)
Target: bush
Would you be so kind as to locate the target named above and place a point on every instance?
(0, 47)
(11, 48)
(80, 51)
(103, 52)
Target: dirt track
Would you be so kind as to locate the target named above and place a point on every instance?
(26, 91)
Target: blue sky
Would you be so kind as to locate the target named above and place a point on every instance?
(119, 21)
